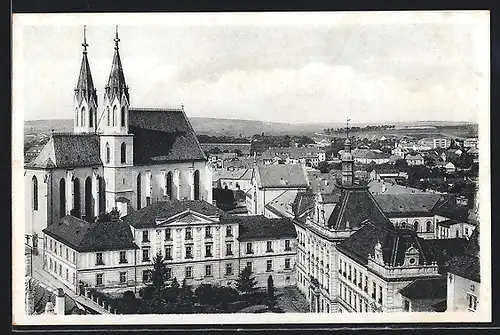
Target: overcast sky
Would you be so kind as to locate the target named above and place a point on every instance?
(314, 68)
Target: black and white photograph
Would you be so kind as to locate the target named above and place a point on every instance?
(177, 168)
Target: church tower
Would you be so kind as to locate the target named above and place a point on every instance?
(85, 100)
(116, 142)
(347, 161)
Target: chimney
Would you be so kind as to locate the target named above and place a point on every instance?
(59, 309)
(49, 309)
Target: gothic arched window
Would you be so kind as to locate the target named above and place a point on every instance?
(91, 117)
(123, 117)
(114, 116)
(62, 197)
(76, 198)
(108, 153)
(197, 185)
(139, 186)
(77, 116)
(108, 116)
(169, 184)
(35, 193)
(82, 115)
(415, 225)
(123, 151)
(428, 226)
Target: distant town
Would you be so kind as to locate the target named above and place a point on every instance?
(134, 211)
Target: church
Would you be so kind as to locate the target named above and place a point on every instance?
(117, 156)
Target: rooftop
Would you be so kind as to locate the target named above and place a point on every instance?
(146, 217)
(428, 288)
(89, 237)
(418, 204)
(256, 227)
(281, 176)
(375, 187)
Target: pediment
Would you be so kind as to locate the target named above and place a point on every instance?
(186, 218)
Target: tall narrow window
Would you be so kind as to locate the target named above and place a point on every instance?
(169, 184)
(108, 153)
(122, 117)
(197, 185)
(108, 116)
(77, 116)
(35, 193)
(91, 118)
(114, 116)
(428, 226)
(82, 115)
(62, 197)
(76, 197)
(123, 151)
(139, 191)
(89, 200)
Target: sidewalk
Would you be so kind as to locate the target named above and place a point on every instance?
(48, 279)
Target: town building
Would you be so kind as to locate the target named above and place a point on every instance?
(99, 254)
(44, 300)
(387, 187)
(464, 280)
(233, 178)
(414, 160)
(270, 181)
(203, 244)
(116, 157)
(308, 156)
(471, 143)
(448, 166)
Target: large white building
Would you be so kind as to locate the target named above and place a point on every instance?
(116, 157)
(198, 242)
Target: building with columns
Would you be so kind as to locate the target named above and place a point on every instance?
(116, 157)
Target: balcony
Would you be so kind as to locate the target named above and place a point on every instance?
(269, 250)
(288, 249)
(229, 253)
(99, 263)
(249, 252)
(189, 256)
(209, 255)
(123, 261)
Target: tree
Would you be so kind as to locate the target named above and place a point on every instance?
(153, 294)
(129, 303)
(246, 283)
(401, 165)
(270, 300)
(206, 294)
(185, 299)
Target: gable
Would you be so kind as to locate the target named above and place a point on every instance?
(186, 218)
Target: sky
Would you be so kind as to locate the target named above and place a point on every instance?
(310, 67)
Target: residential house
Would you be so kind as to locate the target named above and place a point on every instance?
(270, 181)
(233, 178)
(471, 143)
(414, 159)
(448, 166)
(44, 300)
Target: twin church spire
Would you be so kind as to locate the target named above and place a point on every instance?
(116, 96)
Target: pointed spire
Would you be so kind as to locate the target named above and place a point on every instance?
(116, 82)
(117, 39)
(85, 86)
(84, 44)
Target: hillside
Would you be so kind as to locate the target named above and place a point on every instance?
(248, 128)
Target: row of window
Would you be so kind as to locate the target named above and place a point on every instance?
(112, 120)
(58, 249)
(123, 153)
(353, 299)
(80, 117)
(57, 269)
(188, 233)
(355, 276)
(123, 258)
(416, 226)
(229, 270)
(168, 187)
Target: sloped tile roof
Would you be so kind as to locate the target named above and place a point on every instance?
(146, 217)
(116, 81)
(69, 151)
(356, 206)
(162, 135)
(280, 175)
(258, 227)
(245, 174)
(280, 204)
(394, 243)
(303, 202)
(375, 187)
(90, 237)
(85, 86)
(450, 209)
(442, 250)
(465, 266)
(43, 294)
(408, 204)
(425, 288)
